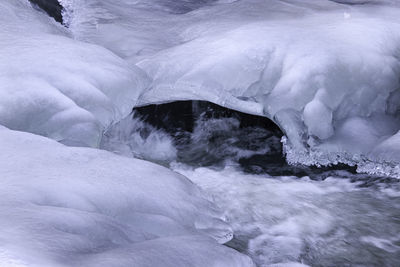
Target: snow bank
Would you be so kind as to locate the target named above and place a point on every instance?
(55, 86)
(64, 206)
(314, 67)
(327, 72)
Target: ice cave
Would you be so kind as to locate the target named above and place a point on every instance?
(199, 133)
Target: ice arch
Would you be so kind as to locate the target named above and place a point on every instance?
(326, 73)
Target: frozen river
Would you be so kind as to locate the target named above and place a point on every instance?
(281, 215)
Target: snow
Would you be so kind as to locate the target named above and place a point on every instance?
(328, 79)
(311, 66)
(58, 87)
(314, 67)
(327, 72)
(64, 206)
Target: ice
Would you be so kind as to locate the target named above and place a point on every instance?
(321, 125)
(384, 158)
(63, 206)
(314, 67)
(327, 72)
(58, 87)
(327, 79)
(311, 66)
(388, 149)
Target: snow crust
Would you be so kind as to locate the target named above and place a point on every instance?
(58, 87)
(64, 206)
(314, 67)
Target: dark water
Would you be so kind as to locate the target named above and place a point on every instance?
(281, 215)
(207, 135)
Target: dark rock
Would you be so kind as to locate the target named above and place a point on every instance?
(52, 7)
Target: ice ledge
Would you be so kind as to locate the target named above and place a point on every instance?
(164, 93)
(365, 163)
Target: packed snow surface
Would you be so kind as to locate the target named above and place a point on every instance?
(63, 206)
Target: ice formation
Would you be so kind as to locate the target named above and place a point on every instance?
(53, 85)
(325, 71)
(63, 206)
(314, 67)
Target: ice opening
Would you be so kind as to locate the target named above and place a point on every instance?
(198, 133)
(293, 215)
(203, 134)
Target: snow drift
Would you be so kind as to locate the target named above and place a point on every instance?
(63, 206)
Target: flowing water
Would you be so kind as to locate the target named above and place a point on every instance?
(281, 215)
(282, 219)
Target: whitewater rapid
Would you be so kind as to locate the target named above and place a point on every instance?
(281, 215)
(289, 221)
(325, 72)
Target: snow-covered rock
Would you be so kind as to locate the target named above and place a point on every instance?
(63, 206)
(58, 87)
(326, 72)
(314, 67)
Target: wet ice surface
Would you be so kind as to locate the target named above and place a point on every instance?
(280, 214)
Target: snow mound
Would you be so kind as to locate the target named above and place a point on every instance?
(314, 67)
(63, 206)
(55, 86)
(327, 72)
